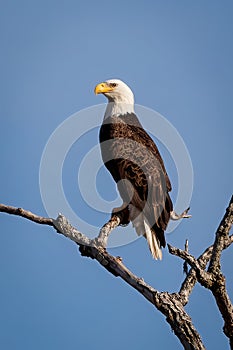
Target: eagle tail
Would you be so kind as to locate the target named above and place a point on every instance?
(142, 227)
(153, 242)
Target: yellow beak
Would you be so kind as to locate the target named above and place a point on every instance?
(102, 88)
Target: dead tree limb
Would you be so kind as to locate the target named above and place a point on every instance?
(170, 304)
(212, 279)
(25, 214)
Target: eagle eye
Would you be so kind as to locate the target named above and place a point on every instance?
(113, 85)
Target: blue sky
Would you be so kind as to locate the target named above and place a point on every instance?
(177, 57)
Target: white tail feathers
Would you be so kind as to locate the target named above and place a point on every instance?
(143, 228)
(153, 242)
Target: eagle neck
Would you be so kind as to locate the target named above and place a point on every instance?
(118, 108)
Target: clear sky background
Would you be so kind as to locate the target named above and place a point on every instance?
(177, 57)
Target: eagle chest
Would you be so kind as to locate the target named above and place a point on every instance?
(117, 141)
(123, 154)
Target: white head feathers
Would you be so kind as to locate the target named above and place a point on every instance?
(120, 97)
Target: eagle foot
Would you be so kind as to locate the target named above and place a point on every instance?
(123, 213)
(184, 215)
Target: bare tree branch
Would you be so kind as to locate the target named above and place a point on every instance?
(202, 276)
(219, 286)
(26, 214)
(63, 226)
(190, 280)
(213, 278)
(168, 303)
(105, 231)
(185, 265)
(221, 237)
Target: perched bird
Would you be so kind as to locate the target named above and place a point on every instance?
(135, 163)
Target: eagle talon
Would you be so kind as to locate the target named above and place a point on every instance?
(184, 215)
(123, 213)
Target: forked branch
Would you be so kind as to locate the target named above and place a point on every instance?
(170, 304)
(213, 278)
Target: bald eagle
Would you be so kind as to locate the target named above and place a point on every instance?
(136, 165)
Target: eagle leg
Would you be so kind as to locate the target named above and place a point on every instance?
(184, 215)
(123, 213)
